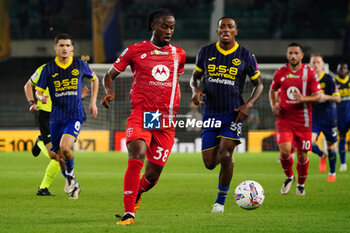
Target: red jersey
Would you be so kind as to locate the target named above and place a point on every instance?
(156, 70)
(288, 82)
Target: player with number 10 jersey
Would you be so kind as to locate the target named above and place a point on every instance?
(294, 116)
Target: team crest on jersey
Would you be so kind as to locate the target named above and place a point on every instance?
(160, 72)
(291, 92)
(129, 132)
(75, 72)
(236, 62)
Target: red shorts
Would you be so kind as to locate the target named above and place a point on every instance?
(297, 134)
(159, 141)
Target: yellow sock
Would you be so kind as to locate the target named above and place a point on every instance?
(43, 149)
(51, 171)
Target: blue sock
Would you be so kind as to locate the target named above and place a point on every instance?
(222, 194)
(64, 174)
(317, 150)
(332, 158)
(342, 150)
(69, 166)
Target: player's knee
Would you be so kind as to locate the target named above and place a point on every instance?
(225, 157)
(284, 154)
(65, 149)
(331, 147)
(210, 163)
(210, 166)
(139, 156)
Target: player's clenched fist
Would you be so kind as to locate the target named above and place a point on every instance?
(196, 97)
(106, 99)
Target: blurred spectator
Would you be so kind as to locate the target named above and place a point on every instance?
(253, 119)
(23, 16)
(346, 40)
(194, 114)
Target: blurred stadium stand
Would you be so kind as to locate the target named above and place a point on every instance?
(259, 19)
(265, 27)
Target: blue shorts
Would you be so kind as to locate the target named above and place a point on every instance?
(329, 132)
(229, 129)
(71, 127)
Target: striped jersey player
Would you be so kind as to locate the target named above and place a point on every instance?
(343, 110)
(224, 66)
(63, 76)
(324, 117)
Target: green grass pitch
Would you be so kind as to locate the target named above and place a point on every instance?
(180, 202)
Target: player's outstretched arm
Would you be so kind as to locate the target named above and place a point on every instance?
(194, 84)
(335, 99)
(244, 110)
(92, 106)
(108, 86)
(28, 91)
(274, 103)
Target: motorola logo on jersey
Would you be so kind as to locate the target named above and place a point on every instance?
(291, 92)
(160, 72)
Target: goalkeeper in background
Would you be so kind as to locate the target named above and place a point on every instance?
(42, 143)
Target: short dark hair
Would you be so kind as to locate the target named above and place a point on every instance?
(316, 55)
(295, 44)
(157, 14)
(62, 36)
(225, 17)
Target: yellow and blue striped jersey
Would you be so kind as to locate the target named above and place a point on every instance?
(34, 80)
(324, 113)
(65, 82)
(343, 108)
(224, 75)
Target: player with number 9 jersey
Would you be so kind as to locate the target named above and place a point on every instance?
(63, 76)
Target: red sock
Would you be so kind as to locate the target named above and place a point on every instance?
(287, 165)
(302, 169)
(145, 185)
(131, 183)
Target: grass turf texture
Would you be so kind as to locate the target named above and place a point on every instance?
(181, 201)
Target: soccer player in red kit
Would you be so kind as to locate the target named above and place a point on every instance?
(155, 98)
(294, 88)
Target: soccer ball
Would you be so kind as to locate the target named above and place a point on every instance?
(249, 195)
